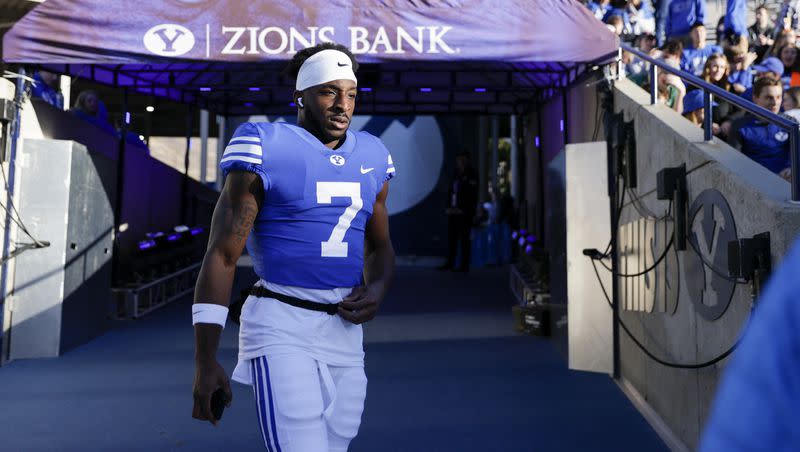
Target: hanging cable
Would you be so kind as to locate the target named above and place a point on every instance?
(13, 212)
(708, 363)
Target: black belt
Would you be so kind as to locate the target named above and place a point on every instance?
(259, 291)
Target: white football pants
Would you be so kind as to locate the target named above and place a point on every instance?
(307, 406)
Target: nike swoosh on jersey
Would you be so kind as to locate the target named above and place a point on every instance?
(366, 170)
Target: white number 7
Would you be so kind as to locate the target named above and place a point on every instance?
(335, 246)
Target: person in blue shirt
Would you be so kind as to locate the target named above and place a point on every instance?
(769, 68)
(599, 9)
(676, 17)
(46, 87)
(735, 20)
(764, 142)
(309, 203)
(644, 17)
(693, 109)
(694, 57)
(757, 402)
(620, 9)
(740, 77)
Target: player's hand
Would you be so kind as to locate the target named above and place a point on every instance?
(786, 174)
(361, 305)
(208, 377)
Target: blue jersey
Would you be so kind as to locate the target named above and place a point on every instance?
(694, 60)
(758, 400)
(763, 142)
(317, 201)
(681, 15)
(744, 78)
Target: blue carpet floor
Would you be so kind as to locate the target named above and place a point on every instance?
(130, 389)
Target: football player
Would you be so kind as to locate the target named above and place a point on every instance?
(309, 202)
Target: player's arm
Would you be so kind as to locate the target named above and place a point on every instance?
(231, 223)
(362, 304)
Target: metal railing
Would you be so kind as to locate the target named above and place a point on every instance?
(134, 302)
(709, 93)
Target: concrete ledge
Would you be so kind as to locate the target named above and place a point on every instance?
(649, 414)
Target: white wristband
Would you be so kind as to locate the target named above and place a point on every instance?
(209, 313)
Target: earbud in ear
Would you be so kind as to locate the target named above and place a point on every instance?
(300, 102)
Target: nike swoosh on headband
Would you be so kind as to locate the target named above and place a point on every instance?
(342, 64)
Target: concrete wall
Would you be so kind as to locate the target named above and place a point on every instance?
(543, 169)
(758, 201)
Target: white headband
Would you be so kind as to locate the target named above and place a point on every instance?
(323, 67)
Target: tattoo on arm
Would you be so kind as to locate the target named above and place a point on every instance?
(243, 220)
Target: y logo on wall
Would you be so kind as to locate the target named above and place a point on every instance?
(169, 40)
(641, 242)
(711, 227)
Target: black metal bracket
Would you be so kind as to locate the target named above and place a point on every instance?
(671, 184)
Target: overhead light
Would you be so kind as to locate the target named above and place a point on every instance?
(424, 90)
(255, 88)
(205, 88)
(150, 108)
(365, 89)
(248, 104)
(480, 90)
(141, 137)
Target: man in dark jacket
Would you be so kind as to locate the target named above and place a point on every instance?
(462, 201)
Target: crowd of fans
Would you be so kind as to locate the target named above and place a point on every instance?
(759, 62)
(87, 106)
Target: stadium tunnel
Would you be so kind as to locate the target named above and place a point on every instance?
(435, 79)
(436, 76)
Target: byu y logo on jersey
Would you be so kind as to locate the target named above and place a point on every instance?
(337, 160)
(169, 40)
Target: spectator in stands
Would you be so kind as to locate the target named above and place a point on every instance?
(715, 72)
(621, 9)
(791, 66)
(769, 68)
(788, 18)
(635, 68)
(643, 17)
(616, 24)
(599, 8)
(694, 57)
(675, 89)
(46, 87)
(90, 108)
(693, 109)
(740, 78)
(764, 142)
(761, 32)
(676, 17)
(462, 202)
(785, 37)
(721, 31)
(672, 52)
(791, 103)
(735, 21)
